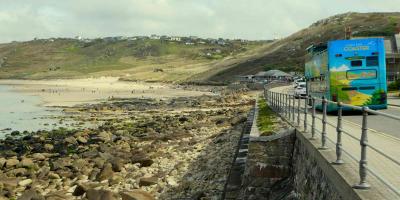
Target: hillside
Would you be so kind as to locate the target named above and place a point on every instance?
(192, 60)
(136, 58)
(288, 54)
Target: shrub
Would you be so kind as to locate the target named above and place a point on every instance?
(394, 86)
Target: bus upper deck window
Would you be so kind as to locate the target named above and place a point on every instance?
(372, 61)
(356, 63)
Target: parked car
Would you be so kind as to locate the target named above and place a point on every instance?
(300, 90)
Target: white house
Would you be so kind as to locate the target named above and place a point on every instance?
(174, 38)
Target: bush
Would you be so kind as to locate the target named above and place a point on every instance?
(394, 86)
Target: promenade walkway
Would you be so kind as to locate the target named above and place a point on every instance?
(383, 173)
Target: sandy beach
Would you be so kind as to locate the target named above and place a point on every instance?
(70, 92)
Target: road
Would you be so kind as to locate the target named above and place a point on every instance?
(376, 124)
(383, 137)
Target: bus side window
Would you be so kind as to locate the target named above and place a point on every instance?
(372, 61)
(356, 63)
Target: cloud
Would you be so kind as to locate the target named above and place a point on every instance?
(255, 19)
(342, 68)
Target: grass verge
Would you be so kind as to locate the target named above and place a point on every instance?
(266, 118)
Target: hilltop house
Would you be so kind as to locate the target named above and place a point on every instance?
(174, 38)
(155, 37)
(272, 75)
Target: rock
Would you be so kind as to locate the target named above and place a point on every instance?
(59, 195)
(70, 140)
(171, 181)
(144, 161)
(198, 195)
(60, 163)
(2, 162)
(116, 179)
(12, 162)
(117, 164)
(26, 163)
(15, 133)
(80, 164)
(80, 189)
(81, 140)
(99, 162)
(48, 147)
(53, 175)
(19, 172)
(93, 194)
(136, 195)
(104, 136)
(31, 195)
(38, 157)
(25, 182)
(105, 173)
(147, 181)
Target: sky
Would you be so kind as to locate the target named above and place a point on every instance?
(246, 19)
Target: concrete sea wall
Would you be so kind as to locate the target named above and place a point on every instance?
(284, 166)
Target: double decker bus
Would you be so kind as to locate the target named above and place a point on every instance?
(349, 71)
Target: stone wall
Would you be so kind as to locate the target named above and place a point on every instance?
(310, 181)
(268, 165)
(283, 166)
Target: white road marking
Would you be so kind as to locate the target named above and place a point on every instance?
(373, 130)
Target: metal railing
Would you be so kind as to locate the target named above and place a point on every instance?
(285, 105)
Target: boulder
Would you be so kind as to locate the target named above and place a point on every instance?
(53, 175)
(136, 195)
(79, 164)
(93, 194)
(60, 163)
(2, 162)
(80, 189)
(70, 140)
(116, 179)
(12, 162)
(26, 163)
(117, 164)
(81, 140)
(104, 136)
(38, 156)
(48, 147)
(147, 181)
(31, 195)
(105, 173)
(25, 182)
(142, 159)
(59, 195)
(19, 172)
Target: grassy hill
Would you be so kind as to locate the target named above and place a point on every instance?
(139, 59)
(288, 54)
(159, 60)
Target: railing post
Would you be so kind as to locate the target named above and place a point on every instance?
(323, 132)
(289, 107)
(293, 108)
(279, 103)
(305, 113)
(364, 144)
(273, 100)
(298, 111)
(313, 119)
(286, 105)
(339, 135)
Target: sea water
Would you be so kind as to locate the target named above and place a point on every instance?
(22, 112)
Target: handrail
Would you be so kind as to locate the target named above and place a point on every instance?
(288, 107)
